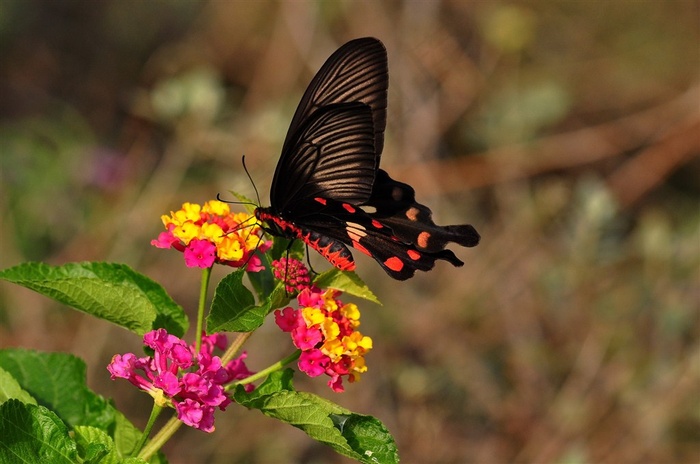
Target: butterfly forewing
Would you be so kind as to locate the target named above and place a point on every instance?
(356, 72)
(332, 157)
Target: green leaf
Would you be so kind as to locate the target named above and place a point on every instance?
(31, 434)
(275, 382)
(95, 446)
(232, 300)
(234, 310)
(58, 381)
(263, 281)
(346, 281)
(113, 292)
(357, 436)
(10, 388)
(126, 436)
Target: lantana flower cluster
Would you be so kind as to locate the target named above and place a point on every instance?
(293, 272)
(211, 233)
(193, 383)
(324, 329)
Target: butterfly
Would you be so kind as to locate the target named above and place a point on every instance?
(328, 189)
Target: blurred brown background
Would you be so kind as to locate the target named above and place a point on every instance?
(567, 133)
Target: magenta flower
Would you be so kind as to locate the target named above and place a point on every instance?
(313, 363)
(200, 253)
(193, 383)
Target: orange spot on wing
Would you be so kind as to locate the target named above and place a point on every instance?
(412, 213)
(423, 238)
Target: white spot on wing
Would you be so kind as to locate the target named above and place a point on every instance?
(355, 231)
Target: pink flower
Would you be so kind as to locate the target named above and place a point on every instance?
(193, 382)
(200, 253)
(196, 415)
(306, 338)
(286, 319)
(313, 362)
(165, 240)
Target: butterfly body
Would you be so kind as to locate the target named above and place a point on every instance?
(334, 251)
(328, 190)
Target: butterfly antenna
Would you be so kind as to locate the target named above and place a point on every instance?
(245, 168)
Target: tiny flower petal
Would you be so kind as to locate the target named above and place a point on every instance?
(306, 338)
(165, 240)
(313, 363)
(200, 253)
(286, 319)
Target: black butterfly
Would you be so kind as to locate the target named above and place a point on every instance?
(328, 189)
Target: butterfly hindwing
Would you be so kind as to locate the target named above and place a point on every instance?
(394, 204)
(373, 236)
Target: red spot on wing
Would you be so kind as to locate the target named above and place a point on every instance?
(394, 263)
(358, 247)
(323, 201)
(413, 254)
(349, 208)
(377, 224)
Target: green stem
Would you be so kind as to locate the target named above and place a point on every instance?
(206, 274)
(155, 412)
(235, 346)
(160, 438)
(272, 368)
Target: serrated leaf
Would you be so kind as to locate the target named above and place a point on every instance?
(275, 382)
(232, 300)
(95, 446)
(30, 434)
(357, 436)
(367, 435)
(126, 436)
(113, 292)
(233, 308)
(10, 388)
(58, 381)
(347, 282)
